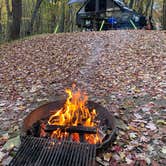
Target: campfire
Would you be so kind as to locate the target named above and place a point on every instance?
(73, 118)
(65, 132)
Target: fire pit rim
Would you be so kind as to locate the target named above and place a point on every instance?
(59, 103)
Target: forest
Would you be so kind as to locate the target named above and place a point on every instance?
(20, 18)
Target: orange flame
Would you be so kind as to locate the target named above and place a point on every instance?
(74, 113)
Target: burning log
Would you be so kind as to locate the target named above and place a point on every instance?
(72, 129)
(74, 118)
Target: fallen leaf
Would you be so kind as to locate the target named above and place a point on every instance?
(133, 135)
(7, 160)
(164, 150)
(129, 161)
(133, 128)
(142, 125)
(120, 124)
(4, 136)
(11, 143)
(161, 121)
(148, 160)
(116, 148)
(116, 157)
(146, 109)
(151, 126)
(150, 148)
(1, 155)
(138, 116)
(122, 155)
(100, 161)
(144, 139)
(154, 163)
(107, 156)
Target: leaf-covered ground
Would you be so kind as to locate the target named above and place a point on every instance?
(125, 71)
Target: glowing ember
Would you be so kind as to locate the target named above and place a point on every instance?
(75, 113)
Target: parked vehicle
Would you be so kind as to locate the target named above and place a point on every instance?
(107, 14)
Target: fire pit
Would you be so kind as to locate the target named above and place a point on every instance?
(72, 122)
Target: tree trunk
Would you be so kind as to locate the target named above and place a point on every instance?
(37, 6)
(140, 9)
(71, 18)
(62, 18)
(137, 2)
(151, 21)
(0, 18)
(131, 4)
(16, 16)
(147, 7)
(164, 14)
(151, 10)
(9, 19)
(53, 20)
(9, 13)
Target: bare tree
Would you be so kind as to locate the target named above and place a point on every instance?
(151, 10)
(0, 18)
(147, 7)
(37, 6)
(141, 5)
(164, 14)
(16, 19)
(131, 4)
(9, 13)
(9, 19)
(62, 17)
